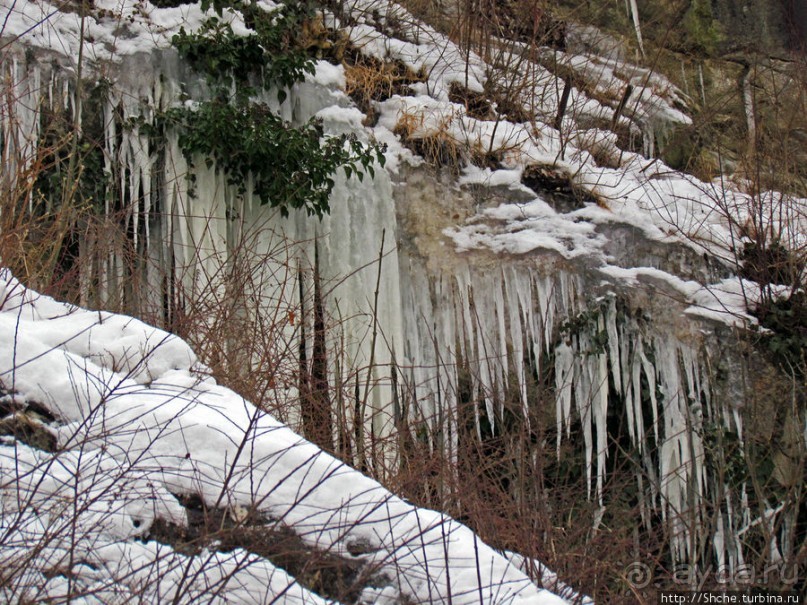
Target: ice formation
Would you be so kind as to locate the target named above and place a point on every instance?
(517, 272)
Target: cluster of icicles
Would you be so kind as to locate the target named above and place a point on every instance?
(493, 318)
(505, 321)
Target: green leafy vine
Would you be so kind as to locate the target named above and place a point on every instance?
(289, 167)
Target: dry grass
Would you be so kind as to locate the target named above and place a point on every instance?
(368, 80)
(429, 137)
(38, 238)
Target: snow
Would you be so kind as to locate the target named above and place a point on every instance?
(118, 384)
(137, 422)
(641, 192)
(425, 51)
(114, 30)
(665, 205)
(473, 175)
(522, 228)
(328, 75)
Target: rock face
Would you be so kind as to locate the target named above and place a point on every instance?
(759, 25)
(536, 285)
(797, 19)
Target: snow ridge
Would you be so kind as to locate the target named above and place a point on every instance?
(137, 422)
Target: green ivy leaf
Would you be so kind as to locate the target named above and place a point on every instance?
(290, 167)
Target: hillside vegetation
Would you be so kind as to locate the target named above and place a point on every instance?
(540, 267)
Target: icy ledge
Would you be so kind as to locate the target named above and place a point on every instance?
(135, 421)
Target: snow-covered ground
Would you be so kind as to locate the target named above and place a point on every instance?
(136, 423)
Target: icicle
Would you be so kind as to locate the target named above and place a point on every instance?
(672, 468)
(634, 9)
(544, 291)
(633, 402)
(684, 79)
(487, 309)
(700, 80)
(738, 423)
(692, 406)
(21, 118)
(66, 95)
(501, 361)
(516, 336)
(600, 370)
(583, 398)
(463, 283)
(650, 375)
(648, 140)
(750, 110)
(769, 518)
(564, 379)
(613, 344)
(627, 360)
(732, 544)
(530, 319)
(688, 363)
(133, 168)
(145, 176)
(110, 139)
(719, 543)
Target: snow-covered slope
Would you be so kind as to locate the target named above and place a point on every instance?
(137, 425)
(540, 247)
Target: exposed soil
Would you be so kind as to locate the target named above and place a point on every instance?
(556, 188)
(328, 574)
(26, 422)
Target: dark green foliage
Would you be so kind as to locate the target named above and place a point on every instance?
(218, 52)
(268, 57)
(289, 166)
(786, 318)
(770, 263)
(788, 342)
